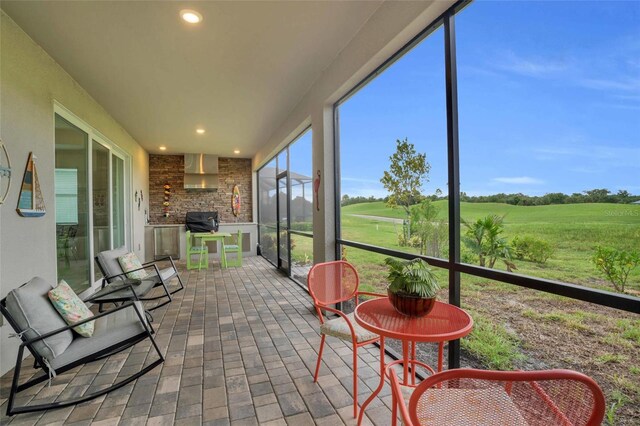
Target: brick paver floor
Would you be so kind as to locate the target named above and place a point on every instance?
(240, 347)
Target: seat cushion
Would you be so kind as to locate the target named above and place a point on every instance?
(130, 262)
(110, 329)
(338, 327)
(71, 308)
(34, 314)
(108, 260)
(166, 274)
(198, 249)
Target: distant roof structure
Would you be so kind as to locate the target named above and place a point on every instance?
(268, 180)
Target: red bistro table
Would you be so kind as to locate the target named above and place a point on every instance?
(444, 323)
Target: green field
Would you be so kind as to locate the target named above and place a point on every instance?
(573, 230)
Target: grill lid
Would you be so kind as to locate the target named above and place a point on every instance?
(202, 221)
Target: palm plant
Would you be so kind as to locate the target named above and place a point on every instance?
(411, 278)
(484, 238)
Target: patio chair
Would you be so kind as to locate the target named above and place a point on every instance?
(479, 397)
(57, 349)
(201, 251)
(113, 274)
(233, 248)
(331, 283)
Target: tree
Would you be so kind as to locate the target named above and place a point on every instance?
(484, 238)
(407, 173)
(597, 195)
(616, 264)
(623, 196)
(430, 230)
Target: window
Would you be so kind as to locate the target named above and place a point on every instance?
(549, 134)
(548, 159)
(66, 182)
(403, 104)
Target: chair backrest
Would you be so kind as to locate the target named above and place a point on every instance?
(188, 236)
(108, 261)
(548, 397)
(332, 282)
(239, 240)
(31, 314)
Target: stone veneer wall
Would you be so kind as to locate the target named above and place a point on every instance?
(170, 168)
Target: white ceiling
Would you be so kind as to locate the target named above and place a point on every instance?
(237, 74)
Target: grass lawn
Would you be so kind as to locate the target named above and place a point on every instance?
(573, 230)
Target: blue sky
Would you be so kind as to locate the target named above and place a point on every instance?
(549, 101)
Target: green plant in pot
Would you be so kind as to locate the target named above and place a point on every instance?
(412, 286)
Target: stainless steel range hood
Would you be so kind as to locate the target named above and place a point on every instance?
(200, 171)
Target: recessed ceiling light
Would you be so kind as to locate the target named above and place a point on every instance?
(200, 131)
(163, 148)
(236, 151)
(191, 16)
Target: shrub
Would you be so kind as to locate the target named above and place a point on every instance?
(615, 264)
(531, 248)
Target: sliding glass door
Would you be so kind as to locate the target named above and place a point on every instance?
(72, 204)
(90, 189)
(118, 231)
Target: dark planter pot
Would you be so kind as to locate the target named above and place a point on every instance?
(411, 305)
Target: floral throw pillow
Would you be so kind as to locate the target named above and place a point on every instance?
(130, 262)
(71, 308)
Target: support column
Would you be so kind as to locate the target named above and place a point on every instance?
(324, 230)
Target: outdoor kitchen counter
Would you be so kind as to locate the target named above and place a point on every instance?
(249, 229)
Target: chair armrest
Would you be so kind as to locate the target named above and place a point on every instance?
(115, 288)
(69, 327)
(124, 274)
(153, 262)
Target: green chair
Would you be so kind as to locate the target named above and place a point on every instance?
(233, 248)
(198, 250)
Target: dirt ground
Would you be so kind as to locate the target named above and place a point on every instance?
(558, 332)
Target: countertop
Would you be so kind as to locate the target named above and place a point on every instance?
(168, 225)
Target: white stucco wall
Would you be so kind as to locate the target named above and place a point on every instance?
(30, 82)
(392, 26)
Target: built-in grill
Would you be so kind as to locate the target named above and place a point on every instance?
(201, 221)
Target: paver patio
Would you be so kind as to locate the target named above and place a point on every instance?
(240, 347)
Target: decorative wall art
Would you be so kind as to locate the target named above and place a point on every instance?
(316, 189)
(138, 199)
(167, 197)
(235, 201)
(5, 172)
(30, 201)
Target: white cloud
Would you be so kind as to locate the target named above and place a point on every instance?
(523, 180)
(360, 180)
(626, 85)
(532, 67)
(610, 155)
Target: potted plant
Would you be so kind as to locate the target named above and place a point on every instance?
(412, 286)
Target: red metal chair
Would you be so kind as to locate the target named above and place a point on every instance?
(331, 283)
(479, 397)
